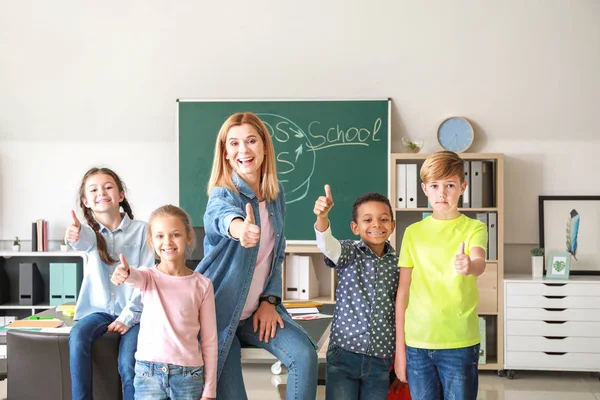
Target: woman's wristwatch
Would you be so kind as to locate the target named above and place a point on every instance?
(270, 299)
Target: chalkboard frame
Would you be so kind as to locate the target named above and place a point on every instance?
(386, 129)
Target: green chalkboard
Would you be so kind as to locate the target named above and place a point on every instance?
(344, 143)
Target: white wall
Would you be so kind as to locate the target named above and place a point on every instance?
(95, 83)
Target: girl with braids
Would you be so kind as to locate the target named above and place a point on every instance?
(101, 306)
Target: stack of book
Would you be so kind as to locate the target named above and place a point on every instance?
(39, 235)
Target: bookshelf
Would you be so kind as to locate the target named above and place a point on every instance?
(490, 284)
(10, 270)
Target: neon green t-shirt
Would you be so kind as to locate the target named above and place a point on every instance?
(442, 304)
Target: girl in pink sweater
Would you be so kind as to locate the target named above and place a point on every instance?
(179, 308)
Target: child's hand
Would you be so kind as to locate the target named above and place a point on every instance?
(121, 272)
(119, 327)
(400, 368)
(251, 232)
(396, 386)
(324, 204)
(462, 262)
(73, 229)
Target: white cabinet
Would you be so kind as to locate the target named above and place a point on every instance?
(552, 325)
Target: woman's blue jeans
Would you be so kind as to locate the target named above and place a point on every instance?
(290, 345)
(443, 374)
(85, 331)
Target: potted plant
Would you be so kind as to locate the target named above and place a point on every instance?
(412, 146)
(16, 244)
(537, 262)
(63, 246)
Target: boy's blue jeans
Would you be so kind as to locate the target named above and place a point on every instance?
(443, 374)
(290, 345)
(85, 331)
(353, 376)
(157, 381)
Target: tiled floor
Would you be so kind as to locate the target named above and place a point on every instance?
(262, 385)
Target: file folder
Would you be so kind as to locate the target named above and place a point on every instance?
(411, 185)
(72, 278)
(466, 198)
(492, 236)
(401, 185)
(31, 285)
(56, 284)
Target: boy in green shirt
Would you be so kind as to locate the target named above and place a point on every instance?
(437, 329)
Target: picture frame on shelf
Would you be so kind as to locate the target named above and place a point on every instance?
(570, 224)
(559, 265)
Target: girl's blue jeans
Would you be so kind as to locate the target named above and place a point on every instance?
(85, 331)
(158, 381)
(354, 376)
(443, 374)
(290, 345)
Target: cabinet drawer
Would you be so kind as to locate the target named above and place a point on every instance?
(552, 314)
(553, 344)
(553, 302)
(487, 285)
(542, 328)
(560, 361)
(553, 289)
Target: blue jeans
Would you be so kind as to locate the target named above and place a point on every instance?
(443, 374)
(85, 331)
(157, 381)
(354, 376)
(290, 345)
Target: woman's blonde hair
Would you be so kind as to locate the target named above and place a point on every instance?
(172, 211)
(221, 174)
(442, 165)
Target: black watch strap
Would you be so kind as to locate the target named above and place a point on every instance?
(271, 299)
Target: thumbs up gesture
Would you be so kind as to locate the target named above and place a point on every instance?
(121, 272)
(73, 229)
(462, 262)
(250, 231)
(324, 204)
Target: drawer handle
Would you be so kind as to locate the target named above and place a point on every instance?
(552, 353)
(555, 337)
(555, 284)
(555, 297)
(555, 322)
(555, 309)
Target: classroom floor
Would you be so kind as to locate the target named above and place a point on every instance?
(262, 385)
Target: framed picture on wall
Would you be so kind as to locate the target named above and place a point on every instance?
(559, 265)
(571, 224)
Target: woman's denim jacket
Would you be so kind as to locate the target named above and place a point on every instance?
(231, 266)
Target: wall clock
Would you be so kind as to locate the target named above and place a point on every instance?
(455, 134)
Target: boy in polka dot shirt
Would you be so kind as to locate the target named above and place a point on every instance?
(362, 339)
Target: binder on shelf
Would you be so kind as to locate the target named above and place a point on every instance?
(301, 279)
(31, 285)
(483, 217)
(33, 236)
(482, 184)
(4, 286)
(466, 198)
(411, 185)
(56, 284)
(72, 278)
(492, 236)
(482, 348)
(400, 185)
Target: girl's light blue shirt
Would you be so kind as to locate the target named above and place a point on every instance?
(231, 266)
(98, 293)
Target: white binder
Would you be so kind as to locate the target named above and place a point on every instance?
(400, 185)
(466, 203)
(300, 278)
(411, 185)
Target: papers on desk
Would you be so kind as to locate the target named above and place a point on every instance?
(35, 324)
(308, 317)
(62, 329)
(306, 310)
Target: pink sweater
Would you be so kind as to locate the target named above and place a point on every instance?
(176, 308)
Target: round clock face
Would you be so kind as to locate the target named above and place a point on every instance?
(455, 134)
